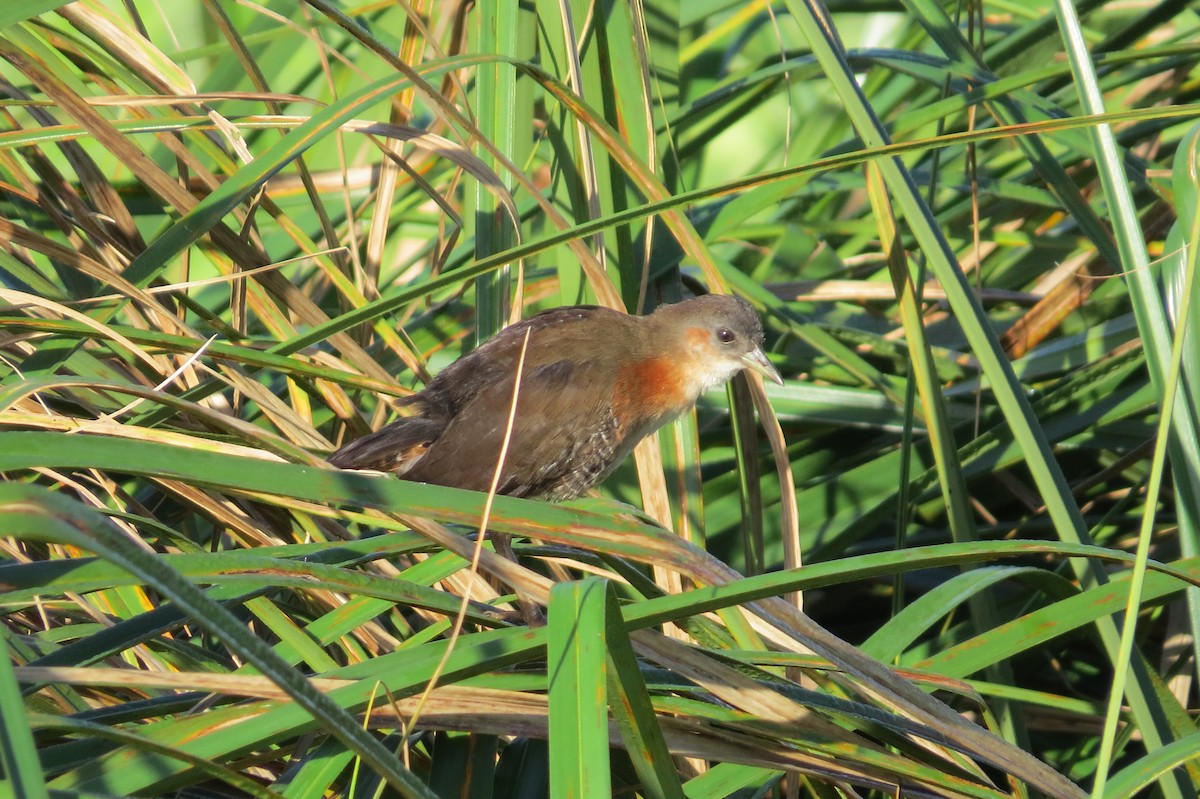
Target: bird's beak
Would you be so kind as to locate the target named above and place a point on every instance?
(756, 359)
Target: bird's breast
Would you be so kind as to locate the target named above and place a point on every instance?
(649, 390)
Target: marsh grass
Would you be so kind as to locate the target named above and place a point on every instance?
(233, 235)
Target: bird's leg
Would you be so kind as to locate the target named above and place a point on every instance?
(502, 543)
(531, 612)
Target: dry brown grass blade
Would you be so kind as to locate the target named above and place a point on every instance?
(606, 293)
(484, 710)
(1045, 317)
(160, 367)
(13, 236)
(864, 291)
(171, 193)
(214, 419)
(412, 44)
(789, 510)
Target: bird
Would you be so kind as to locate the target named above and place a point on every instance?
(594, 382)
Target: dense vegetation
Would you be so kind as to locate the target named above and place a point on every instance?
(233, 235)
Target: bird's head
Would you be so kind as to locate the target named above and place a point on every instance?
(720, 334)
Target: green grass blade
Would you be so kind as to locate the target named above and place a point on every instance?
(69, 518)
(18, 753)
(578, 694)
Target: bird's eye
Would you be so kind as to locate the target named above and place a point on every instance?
(725, 335)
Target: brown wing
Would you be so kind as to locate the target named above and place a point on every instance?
(394, 448)
(563, 438)
(495, 361)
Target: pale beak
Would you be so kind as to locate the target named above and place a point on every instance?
(756, 359)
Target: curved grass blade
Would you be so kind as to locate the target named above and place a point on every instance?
(38, 514)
